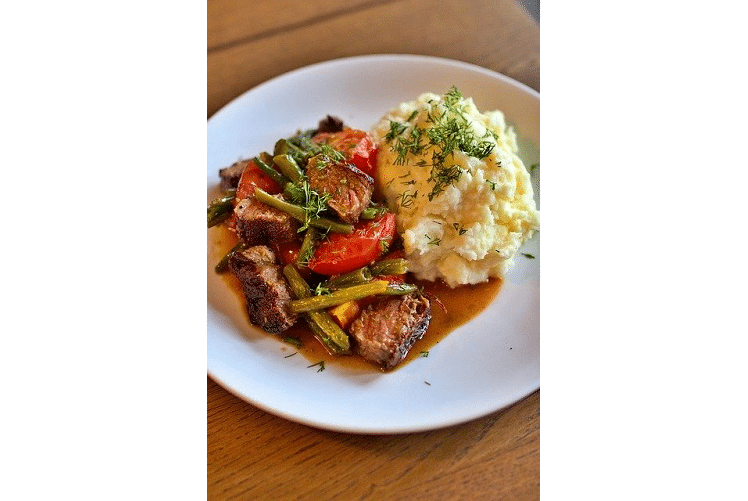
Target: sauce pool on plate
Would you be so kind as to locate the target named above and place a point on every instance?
(461, 304)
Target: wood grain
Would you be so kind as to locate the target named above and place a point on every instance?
(231, 23)
(495, 34)
(255, 455)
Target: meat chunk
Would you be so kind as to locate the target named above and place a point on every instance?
(260, 224)
(230, 175)
(349, 188)
(387, 329)
(265, 288)
(329, 124)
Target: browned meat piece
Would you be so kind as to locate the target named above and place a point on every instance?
(265, 289)
(230, 175)
(349, 188)
(386, 330)
(329, 124)
(260, 224)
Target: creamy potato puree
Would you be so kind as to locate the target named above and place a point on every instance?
(463, 198)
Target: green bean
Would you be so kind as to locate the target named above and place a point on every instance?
(394, 266)
(271, 173)
(372, 212)
(299, 213)
(399, 289)
(356, 277)
(322, 325)
(281, 147)
(335, 298)
(223, 264)
(324, 328)
(307, 247)
(289, 167)
(299, 147)
(221, 208)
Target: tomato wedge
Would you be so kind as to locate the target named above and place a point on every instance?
(287, 252)
(252, 177)
(357, 145)
(340, 253)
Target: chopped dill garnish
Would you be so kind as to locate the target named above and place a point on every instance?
(406, 198)
(449, 132)
(293, 340)
(314, 205)
(459, 228)
(432, 241)
(321, 365)
(412, 116)
(292, 354)
(410, 144)
(452, 97)
(331, 153)
(424, 353)
(396, 128)
(427, 383)
(490, 133)
(320, 289)
(528, 256)
(492, 184)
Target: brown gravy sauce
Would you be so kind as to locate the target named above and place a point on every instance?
(461, 304)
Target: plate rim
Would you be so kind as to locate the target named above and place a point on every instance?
(365, 57)
(321, 423)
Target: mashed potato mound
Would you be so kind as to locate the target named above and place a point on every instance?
(463, 198)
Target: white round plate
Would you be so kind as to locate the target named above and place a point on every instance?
(484, 366)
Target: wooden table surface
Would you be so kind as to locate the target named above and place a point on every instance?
(256, 455)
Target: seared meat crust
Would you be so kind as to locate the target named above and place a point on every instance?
(265, 288)
(387, 329)
(260, 224)
(349, 188)
(230, 175)
(329, 124)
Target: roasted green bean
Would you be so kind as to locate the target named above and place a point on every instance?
(355, 277)
(399, 289)
(270, 172)
(322, 325)
(289, 167)
(335, 298)
(394, 266)
(307, 247)
(373, 212)
(300, 214)
(221, 208)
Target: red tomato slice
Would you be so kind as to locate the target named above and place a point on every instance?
(252, 177)
(357, 145)
(340, 253)
(287, 252)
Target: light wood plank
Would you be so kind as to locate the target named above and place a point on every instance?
(495, 34)
(255, 455)
(232, 21)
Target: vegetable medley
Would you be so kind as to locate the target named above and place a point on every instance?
(333, 256)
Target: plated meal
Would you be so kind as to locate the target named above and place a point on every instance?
(351, 236)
